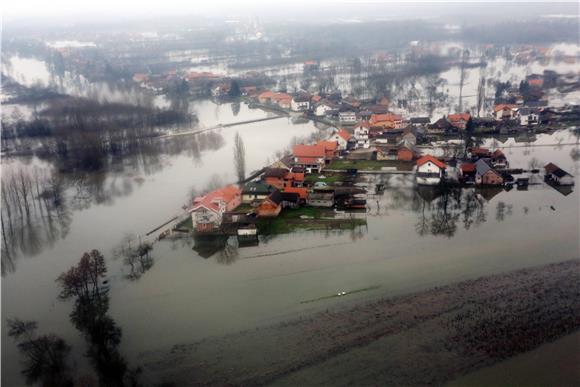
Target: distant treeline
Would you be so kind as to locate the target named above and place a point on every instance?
(82, 133)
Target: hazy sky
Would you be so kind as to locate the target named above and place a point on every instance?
(92, 9)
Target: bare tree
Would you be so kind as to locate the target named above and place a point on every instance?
(240, 157)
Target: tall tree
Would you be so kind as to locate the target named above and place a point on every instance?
(240, 157)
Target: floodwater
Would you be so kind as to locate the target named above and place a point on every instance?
(414, 239)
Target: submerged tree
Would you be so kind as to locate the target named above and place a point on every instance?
(240, 157)
(45, 355)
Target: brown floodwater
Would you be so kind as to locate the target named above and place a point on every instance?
(413, 240)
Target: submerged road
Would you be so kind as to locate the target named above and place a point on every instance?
(220, 126)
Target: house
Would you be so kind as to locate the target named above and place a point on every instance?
(330, 149)
(361, 135)
(320, 199)
(504, 112)
(256, 191)
(271, 206)
(467, 172)
(300, 103)
(387, 121)
(323, 107)
(207, 211)
(430, 171)
(310, 157)
(387, 153)
(290, 199)
(406, 153)
(342, 138)
(285, 162)
(346, 116)
(498, 159)
(486, 175)
(140, 77)
(528, 116)
(409, 137)
(281, 178)
(478, 152)
(557, 175)
(459, 121)
(420, 121)
(302, 192)
(441, 126)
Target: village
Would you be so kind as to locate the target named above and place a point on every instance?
(318, 185)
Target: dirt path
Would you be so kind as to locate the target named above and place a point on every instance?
(428, 337)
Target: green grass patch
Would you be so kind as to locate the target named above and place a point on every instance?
(369, 165)
(244, 207)
(329, 179)
(315, 218)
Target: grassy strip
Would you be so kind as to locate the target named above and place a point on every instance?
(367, 165)
(315, 219)
(340, 294)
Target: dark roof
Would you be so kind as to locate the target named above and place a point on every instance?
(482, 167)
(275, 172)
(290, 197)
(276, 197)
(560, 173)
(257, 188)
(420, 120)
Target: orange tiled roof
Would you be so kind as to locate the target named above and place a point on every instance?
(503, 106)
(435, 161)
(211, 200)
(308, 150)
(344, 134)
(459, 117)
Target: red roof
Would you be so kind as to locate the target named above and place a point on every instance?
(364, 124)
(479, 151)
(497, 153)
(328, 145)
(344, 134)
(385, 117)
(296, 176)
(212, 199)
(503, 106)
(432, 159)
(312, 151)
(467, 167)
(459, 117)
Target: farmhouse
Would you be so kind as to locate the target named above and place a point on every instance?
(309, 157)
(207, 211)
(558, 176)
(430, 171)
(486, 175)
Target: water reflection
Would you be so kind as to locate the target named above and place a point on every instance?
(38, 200)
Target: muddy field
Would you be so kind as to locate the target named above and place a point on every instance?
(429, 337)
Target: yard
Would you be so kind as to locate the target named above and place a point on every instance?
(306, 218)
(370, 165)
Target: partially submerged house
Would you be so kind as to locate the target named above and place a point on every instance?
(386, 121)
(207, 211)
(486, 175)
(528, 116)
(557, 176)
(430, 170)
(281, 178)
(498, 160)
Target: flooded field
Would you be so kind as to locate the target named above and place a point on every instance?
(210, 298)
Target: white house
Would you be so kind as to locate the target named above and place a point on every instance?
(430, 170)
(528, 116)
(557, 175)
(341, 137)
(361, 135)
(322, 108)
(347, 117)
(300, 103)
